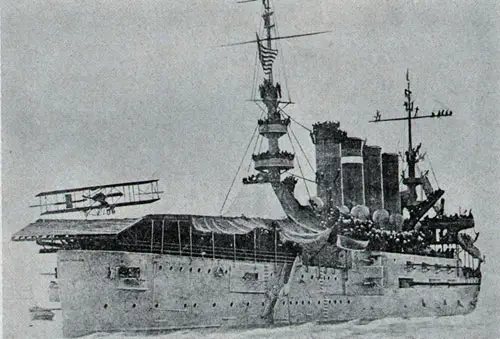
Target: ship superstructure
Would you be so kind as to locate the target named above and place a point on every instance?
(348, 254)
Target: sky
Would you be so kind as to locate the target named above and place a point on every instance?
(98, 92)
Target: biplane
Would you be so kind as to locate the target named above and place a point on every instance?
(97, 200)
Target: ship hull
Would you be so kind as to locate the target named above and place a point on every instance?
(124, 291)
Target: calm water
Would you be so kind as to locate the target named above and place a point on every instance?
(24, 287)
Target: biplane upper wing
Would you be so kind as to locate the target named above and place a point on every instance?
(93, 188)
(96, 198)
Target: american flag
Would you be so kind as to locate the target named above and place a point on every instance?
(266, 56)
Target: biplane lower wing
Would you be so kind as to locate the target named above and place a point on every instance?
(98, 207)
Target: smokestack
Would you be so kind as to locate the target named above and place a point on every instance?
(352, 172)
(328, 138)
(372, 165)
(390, 178)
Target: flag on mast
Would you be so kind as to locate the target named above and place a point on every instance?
(266, 56)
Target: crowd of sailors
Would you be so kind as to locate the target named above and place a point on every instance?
(255, 179)
(267, 89)
(415, 241)
(285, 121)
(442, 113)
(267, 155)
(457, 216)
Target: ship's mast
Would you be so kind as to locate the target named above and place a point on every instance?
(273, 162)
(412, 155)
(267, 26)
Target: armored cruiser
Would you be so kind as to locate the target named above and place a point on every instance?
(360, 249)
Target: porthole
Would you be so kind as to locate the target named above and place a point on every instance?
(133, 305)
(105, 306)
(181, 268)
(214, 304)
(340, 301)
(194, 305)
(160, 267)
(302, 302)
(335, 301)
(348, 301)
(328, 278)
(284, 303)
(185, 305)
(248, 304)
(171, 267)
(302, 276)
(296, 302)
(262, 304)
(335, 278)
(190, 269)
(225, 272)
(329, 301)
(209, 270)
(156, 305)
(312, 276)
(291, 302)
(309, 302)
(199, 270)
(231, 304)
(319, 302)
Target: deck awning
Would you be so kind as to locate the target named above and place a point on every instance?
(62, 228)
(55, 228)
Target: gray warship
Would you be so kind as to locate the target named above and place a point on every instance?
(360, 249)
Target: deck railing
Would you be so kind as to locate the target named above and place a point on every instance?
(210, 252)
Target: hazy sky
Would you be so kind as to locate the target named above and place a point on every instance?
(108, 91)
